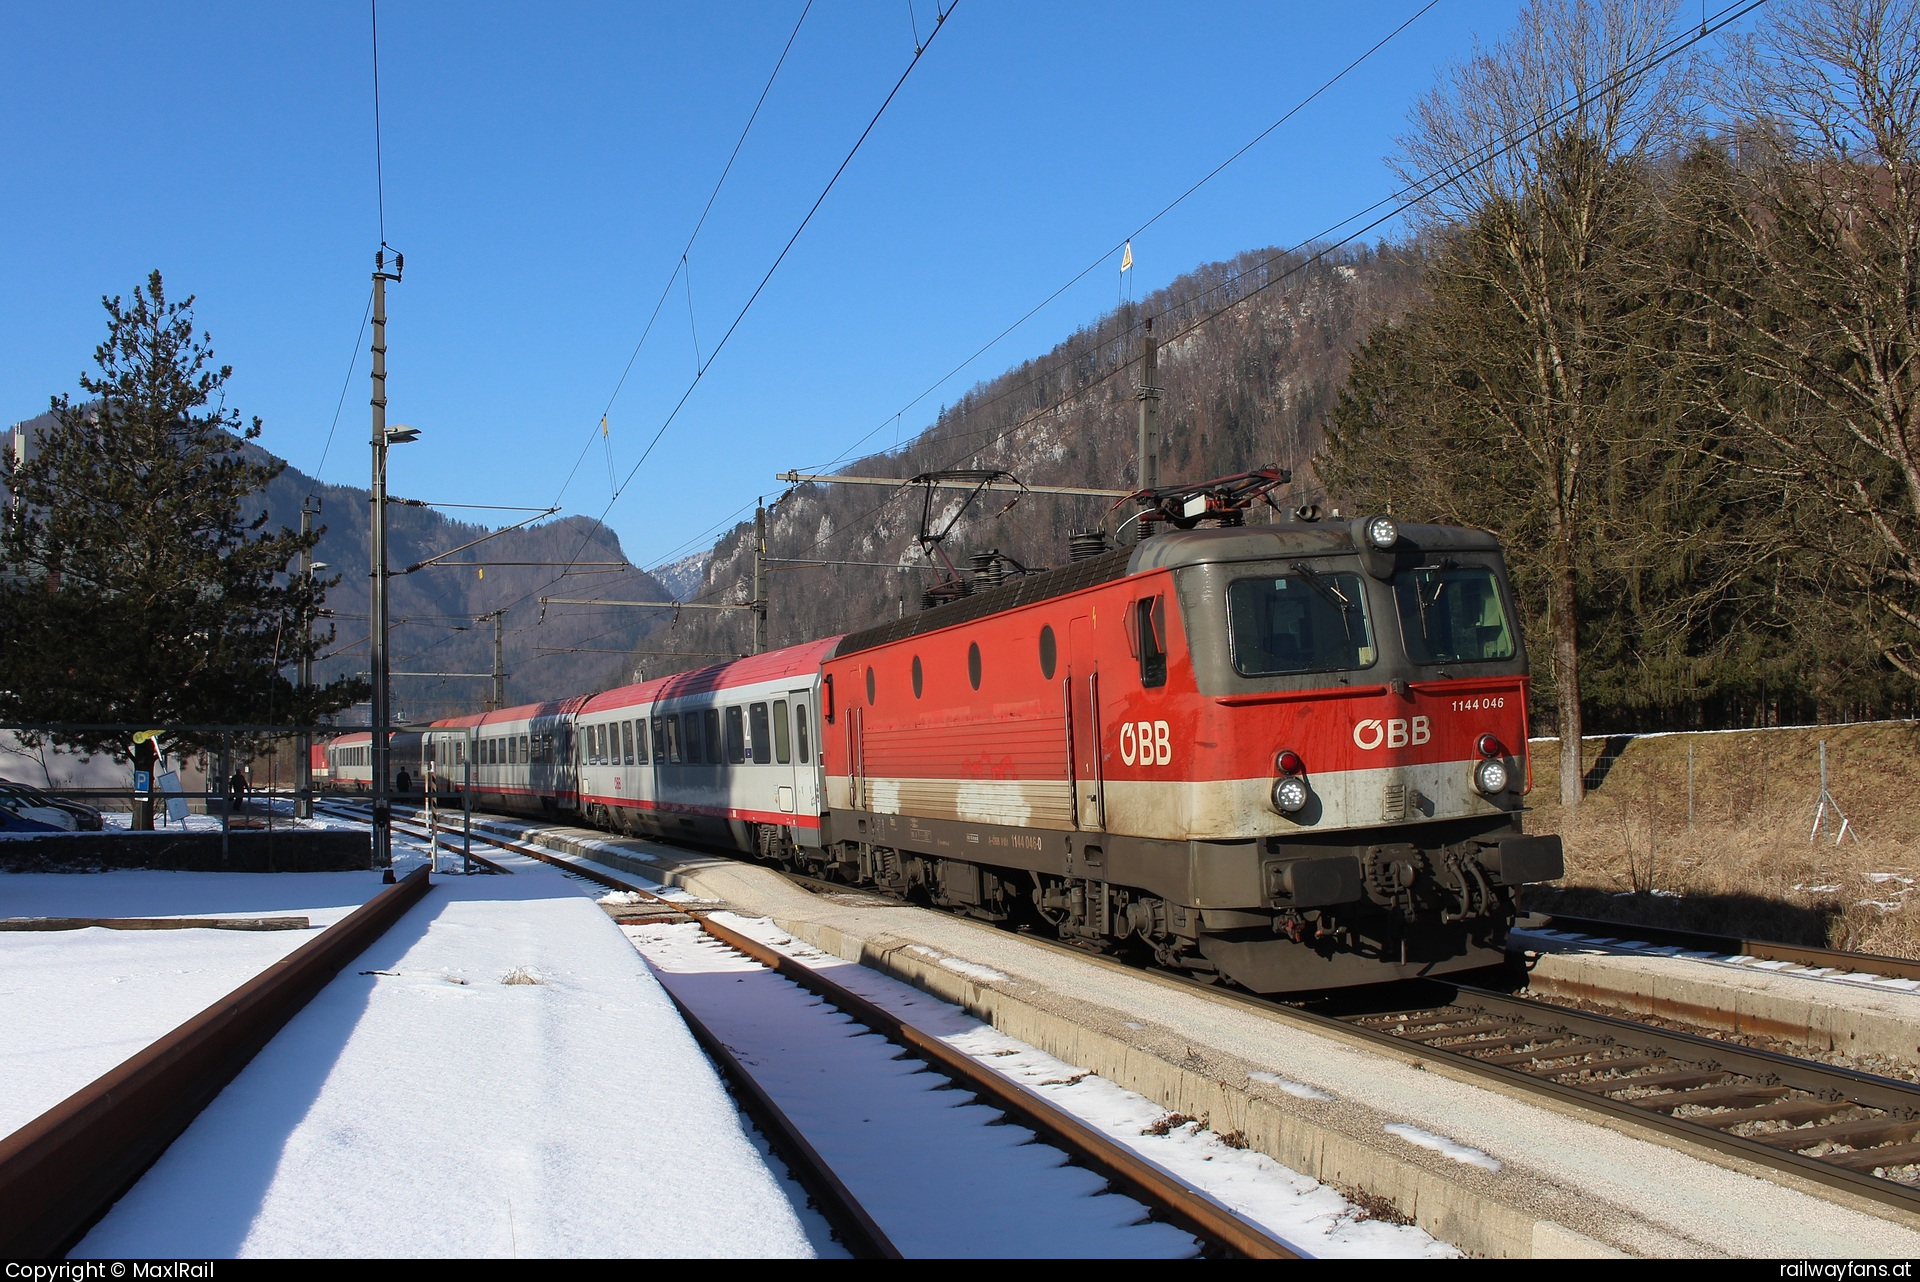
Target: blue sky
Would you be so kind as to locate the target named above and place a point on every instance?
(545, 164)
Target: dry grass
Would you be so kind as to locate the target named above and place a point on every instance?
(1743, 865)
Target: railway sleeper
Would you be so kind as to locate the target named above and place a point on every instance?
(1878, 1130)
(1793, 1111)
(1871, 1159)
(1711, 1096)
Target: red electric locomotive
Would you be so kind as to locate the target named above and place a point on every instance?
(1292, 756)
(1289, 756)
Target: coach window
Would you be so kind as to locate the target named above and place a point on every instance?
(597, 744)
(673, 740)
(716, 751)
(736, 737)
(690, 732)
(626, 743)
(916, 676)
(526, 750)
(800, 732)
(759, 740)
(659, 742)
(642, 753)
(782, 737)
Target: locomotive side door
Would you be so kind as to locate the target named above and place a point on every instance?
(1083, 719)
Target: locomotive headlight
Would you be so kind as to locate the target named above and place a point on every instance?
(1491, 776)
(1382, 532)
(1290, 795)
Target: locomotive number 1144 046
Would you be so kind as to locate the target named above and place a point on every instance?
(1480, 704)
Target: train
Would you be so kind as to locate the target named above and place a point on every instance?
(1289, 757)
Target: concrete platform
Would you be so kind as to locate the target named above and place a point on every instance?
(1857, 1016)
(1563, 1184)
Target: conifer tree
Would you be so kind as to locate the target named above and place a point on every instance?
(141, 584)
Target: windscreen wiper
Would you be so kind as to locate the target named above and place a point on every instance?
(1330, 592)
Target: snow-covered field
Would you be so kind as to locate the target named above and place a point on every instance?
(499, 1075)
(75, 1003)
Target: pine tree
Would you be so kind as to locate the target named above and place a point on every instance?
(138, 590)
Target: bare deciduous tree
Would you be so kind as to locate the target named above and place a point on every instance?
(1822, 308)
(1534, 135)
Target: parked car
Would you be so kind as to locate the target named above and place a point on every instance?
(86, 818)
(28, 804)
(13, 821)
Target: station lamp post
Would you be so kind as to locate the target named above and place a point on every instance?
(383, 436)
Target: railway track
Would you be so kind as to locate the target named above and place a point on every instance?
(1218, 1230)
(1838, 1127)
(1829, 1125)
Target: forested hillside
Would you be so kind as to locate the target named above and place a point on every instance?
(1251, 387)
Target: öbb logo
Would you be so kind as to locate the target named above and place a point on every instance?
(1397, 733)
(1145, 742)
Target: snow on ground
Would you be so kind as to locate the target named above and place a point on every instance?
(1543, 940)
(1441, 1144)
(1314, 1218)
(941, 1173)
(75, 1003)
(254, 812)
(423, 1106)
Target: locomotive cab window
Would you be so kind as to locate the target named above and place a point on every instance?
(1452, 614)
(1148, 634)
(1307, 621)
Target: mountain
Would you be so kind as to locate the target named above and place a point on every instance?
(437, 612)
(684, 577)
(1249, 387)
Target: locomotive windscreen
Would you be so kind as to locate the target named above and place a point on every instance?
(1308, 621)
(1452, 614)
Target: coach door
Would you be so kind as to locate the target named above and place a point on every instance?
(1083, 721)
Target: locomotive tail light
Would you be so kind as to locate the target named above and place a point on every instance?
(1382, 532)
(1490, 746)
(1492, 776)
(1290, 763)
(1290, 795)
